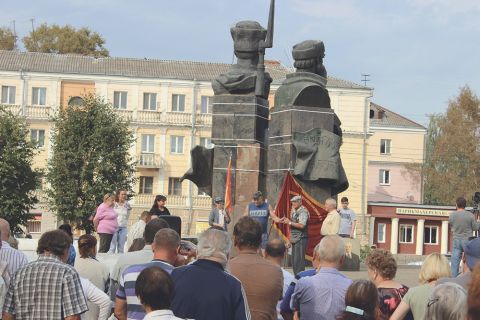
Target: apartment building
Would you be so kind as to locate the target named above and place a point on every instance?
(168, 104)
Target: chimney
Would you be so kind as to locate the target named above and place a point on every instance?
(380, 113)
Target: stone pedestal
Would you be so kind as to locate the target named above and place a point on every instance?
(284, 121)
(239, 125)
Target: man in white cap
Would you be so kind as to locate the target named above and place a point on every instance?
(298, 233)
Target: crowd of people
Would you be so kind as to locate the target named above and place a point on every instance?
(225, 277)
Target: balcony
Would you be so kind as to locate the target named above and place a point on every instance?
(199, 202)
(179, 118)
(37, 112)
(13, 108)
(204, 119)
(125, 115)
(149, 116)
(150, 160)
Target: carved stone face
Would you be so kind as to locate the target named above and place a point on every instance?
(246, 36)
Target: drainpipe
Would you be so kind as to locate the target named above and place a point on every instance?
(364, 161)
(192, 143)
(23, 105)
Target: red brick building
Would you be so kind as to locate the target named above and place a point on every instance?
(409, 228)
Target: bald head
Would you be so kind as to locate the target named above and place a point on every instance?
(4, 230)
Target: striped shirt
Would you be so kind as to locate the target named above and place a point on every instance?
(15, 259)
(45, 289)
(126, 290)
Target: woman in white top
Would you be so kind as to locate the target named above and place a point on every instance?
(90, 268)
(123, 209)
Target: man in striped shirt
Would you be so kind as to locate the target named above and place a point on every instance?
(165, 249)
(13, 258)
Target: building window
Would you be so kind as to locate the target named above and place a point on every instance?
(38, 137)
(430, 235)
(176, 144)
(384, 177)
(149, 101)
(381, 227)
(39, 96)
(174, 187)
(8, 95)
(146, 185)
(406, 233)
(206, 142)
(148, 143)
(34, 225)
(120, 99)
(76, 101)
(206, 106)
(178, 102)
(385, 146)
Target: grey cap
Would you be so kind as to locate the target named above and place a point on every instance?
(296, 198)
(218, 200)
(308, 49)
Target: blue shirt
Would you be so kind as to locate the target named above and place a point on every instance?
(260, 214)
(204, 291)
(285, 304)
(126, 290)
(321, 296)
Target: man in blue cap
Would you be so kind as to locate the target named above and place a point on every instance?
(470, 258)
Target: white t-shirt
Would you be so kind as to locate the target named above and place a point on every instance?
(99, 304)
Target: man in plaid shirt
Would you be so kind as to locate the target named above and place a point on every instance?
(47, 288)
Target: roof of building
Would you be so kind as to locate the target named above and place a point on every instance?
(383, 117)
(134, 67)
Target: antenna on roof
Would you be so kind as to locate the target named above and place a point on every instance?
(14, 34)
(365, 79)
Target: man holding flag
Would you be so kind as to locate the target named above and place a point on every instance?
(219, 217)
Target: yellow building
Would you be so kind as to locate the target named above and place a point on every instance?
(168, 104)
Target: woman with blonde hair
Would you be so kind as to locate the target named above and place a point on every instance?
(105, 222)
(434, 267)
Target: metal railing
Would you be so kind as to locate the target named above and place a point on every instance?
(149, 160)
(146, 200)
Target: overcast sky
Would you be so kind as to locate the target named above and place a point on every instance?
(418, 52)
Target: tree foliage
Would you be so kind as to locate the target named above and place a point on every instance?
(66, 39)
(452, 166)
(90, 158)
(7, 39)
(18, 180)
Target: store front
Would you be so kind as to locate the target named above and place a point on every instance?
(409, 229)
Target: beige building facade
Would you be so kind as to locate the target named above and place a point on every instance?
(168, 105)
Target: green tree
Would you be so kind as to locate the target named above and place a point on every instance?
(90, 158)
(452, 166)
(18, 180)
(7, 39)
(66, 39)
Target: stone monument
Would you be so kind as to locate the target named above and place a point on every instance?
(239, 120)
(305, 134)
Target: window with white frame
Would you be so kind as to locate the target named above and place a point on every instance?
(178, 102)
(206, 106)
(430, 235)
(149, 101)
(384, 177)
(148, 143)
(206, 142)
(174, 187)
(176, 144)
(406, 233)
(39, 96)
(38, 137)
(146, 185)
(8, 94)
(385, 145)
(381, 228)
(120, 99)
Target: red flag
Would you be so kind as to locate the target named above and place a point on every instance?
(316, 210)
(228, 188)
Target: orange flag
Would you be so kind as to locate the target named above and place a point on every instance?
(228, 188)
(316, 210)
